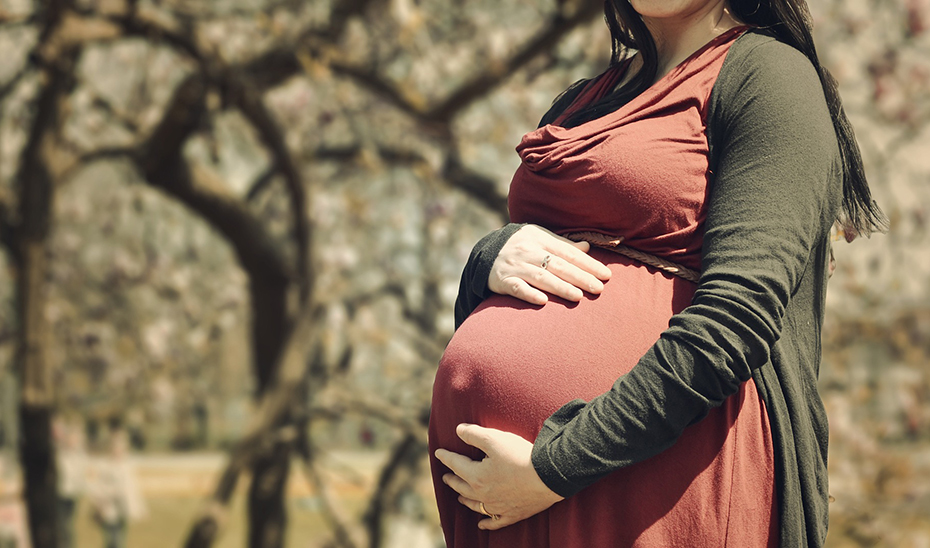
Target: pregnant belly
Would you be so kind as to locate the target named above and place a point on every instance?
(511, 364)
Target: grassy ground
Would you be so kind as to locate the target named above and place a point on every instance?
(175, 487)
(169, 522)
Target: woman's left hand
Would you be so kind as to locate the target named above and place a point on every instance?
(505, 480)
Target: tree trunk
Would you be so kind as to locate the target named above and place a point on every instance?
(206, 528)
(267, 511)
(39, 474)
(35, 183)
(261, 438)
(267, 516)
(37, 454)
(36, 391)
(270, 282)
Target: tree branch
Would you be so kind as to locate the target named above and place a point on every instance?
(82, 160)
(273, 67)
(10, 84)
(476, 185)
(237, 90)
(384, 89)
(132, 24)
(340, 15)
(403, 454)
(485, 82)
(261, 183)
(277, 65)
(480, 187)
(337, 522)
(394, 156)
(8, 19)
(123, 118)
(250, 103)
(190, 9)
(335, 402)
(114, 153)
(8, 231)
(282, 395)
(162, 165)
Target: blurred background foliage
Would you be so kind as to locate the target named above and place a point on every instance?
(233, 229)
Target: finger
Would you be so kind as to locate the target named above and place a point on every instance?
(530, 283)
(572, 251)
(460, 486)
(476, 436)
(461, 465)
(567, 280)
(472, 504)
(519, 288)
(582, 245)
(568, 250)
(491, 524)
(544, 280)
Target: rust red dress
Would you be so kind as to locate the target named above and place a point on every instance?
(640, 172)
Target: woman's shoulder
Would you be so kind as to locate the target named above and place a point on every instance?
(762, 72)
(765, 86)
(760, 54)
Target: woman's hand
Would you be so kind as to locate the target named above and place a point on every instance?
(504, 485)
(535, 260)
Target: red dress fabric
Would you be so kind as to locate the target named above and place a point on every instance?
(640, 172)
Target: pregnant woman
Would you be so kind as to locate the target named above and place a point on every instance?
(590, 399)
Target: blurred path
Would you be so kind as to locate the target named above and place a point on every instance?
(195, 474)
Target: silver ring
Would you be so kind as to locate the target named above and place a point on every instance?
(545, 263)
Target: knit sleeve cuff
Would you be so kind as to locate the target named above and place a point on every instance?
(473, 287)
(544, 446)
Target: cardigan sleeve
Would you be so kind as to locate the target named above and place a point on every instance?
(473, 286)
(771, 202)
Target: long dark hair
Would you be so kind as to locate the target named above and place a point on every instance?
(790, 22)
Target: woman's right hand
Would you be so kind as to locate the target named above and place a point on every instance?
(535, 261)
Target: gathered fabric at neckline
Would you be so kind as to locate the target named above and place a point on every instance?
(601, 85)
(649, 159)
(547, 145)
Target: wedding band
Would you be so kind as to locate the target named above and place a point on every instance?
(545, 262)
(484, 511)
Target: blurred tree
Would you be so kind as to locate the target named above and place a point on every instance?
(25, 235)
(279, 282)
(336, 159)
